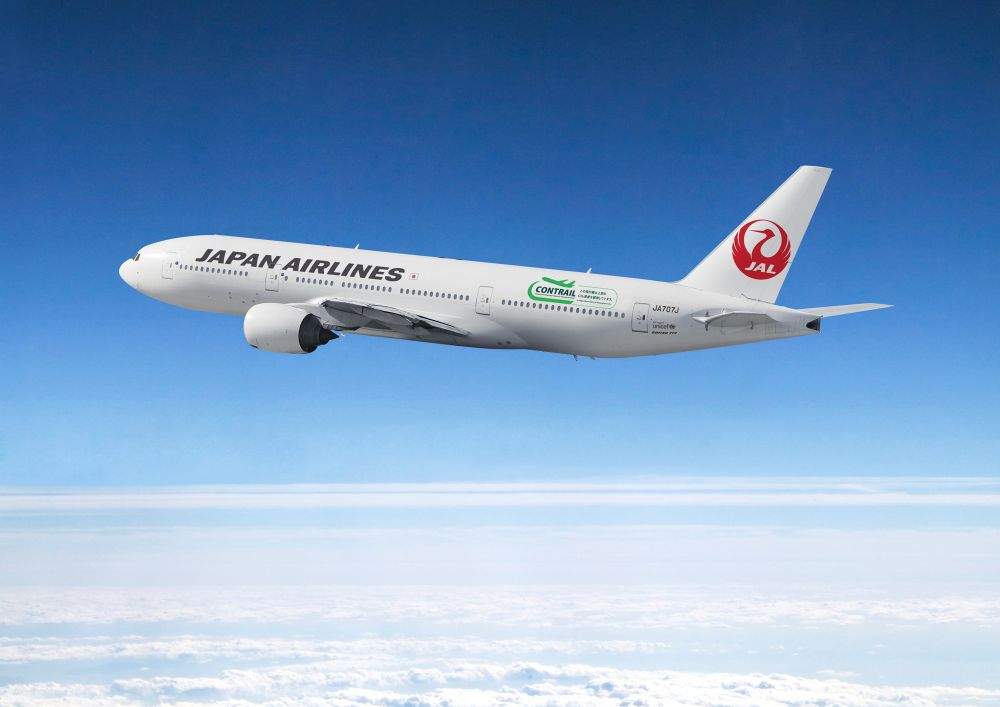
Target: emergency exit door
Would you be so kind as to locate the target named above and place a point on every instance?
(167, 269)
(271, 280)
(483, 300)
(640, 317)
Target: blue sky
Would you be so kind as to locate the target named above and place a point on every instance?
(564, 135)
(185, 518)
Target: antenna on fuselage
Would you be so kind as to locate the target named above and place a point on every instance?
(356, 246)
(588, 269)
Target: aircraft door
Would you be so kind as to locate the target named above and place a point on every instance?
(167, 269)
(483, 300)
(640, 317)
(271, 280)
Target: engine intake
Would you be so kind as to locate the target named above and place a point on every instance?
(284, 329)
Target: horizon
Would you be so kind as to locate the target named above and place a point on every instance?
(186, 519)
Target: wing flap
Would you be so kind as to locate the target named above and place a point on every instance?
(350, 315)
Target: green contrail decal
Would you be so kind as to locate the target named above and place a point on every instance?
(568, 284)
(532, 295)
(549, 289)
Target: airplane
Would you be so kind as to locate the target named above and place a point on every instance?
(295, 297)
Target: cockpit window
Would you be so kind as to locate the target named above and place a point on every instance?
(135, 257)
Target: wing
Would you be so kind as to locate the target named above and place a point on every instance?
(350, 315)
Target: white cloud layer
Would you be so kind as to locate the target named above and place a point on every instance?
(731, 492)
(473, 683)
(910, 562)
(610, 607)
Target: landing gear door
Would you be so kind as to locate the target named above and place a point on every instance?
(640, 317)
(167, 269)
(483, 300)
(271, 280)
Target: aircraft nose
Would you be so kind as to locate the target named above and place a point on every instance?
(129, 273)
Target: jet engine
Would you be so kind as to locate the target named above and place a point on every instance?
(284, 329)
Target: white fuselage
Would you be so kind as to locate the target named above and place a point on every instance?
(500, 306)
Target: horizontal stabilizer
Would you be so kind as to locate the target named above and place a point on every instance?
(839, 309)
(734, 319)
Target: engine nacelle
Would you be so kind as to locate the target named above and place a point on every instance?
(284, 329)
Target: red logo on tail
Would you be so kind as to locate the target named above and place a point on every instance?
(756, 264)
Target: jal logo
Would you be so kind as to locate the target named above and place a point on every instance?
(771, 251)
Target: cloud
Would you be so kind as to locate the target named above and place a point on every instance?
(445, 645)
(204, 648)
(909, 562)
(730, 492)
(607, 606)
(526, 684)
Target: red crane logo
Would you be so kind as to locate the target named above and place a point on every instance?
(755, 264)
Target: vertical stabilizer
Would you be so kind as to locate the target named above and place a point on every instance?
(755, 258)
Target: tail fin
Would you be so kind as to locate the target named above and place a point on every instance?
(754, 259)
